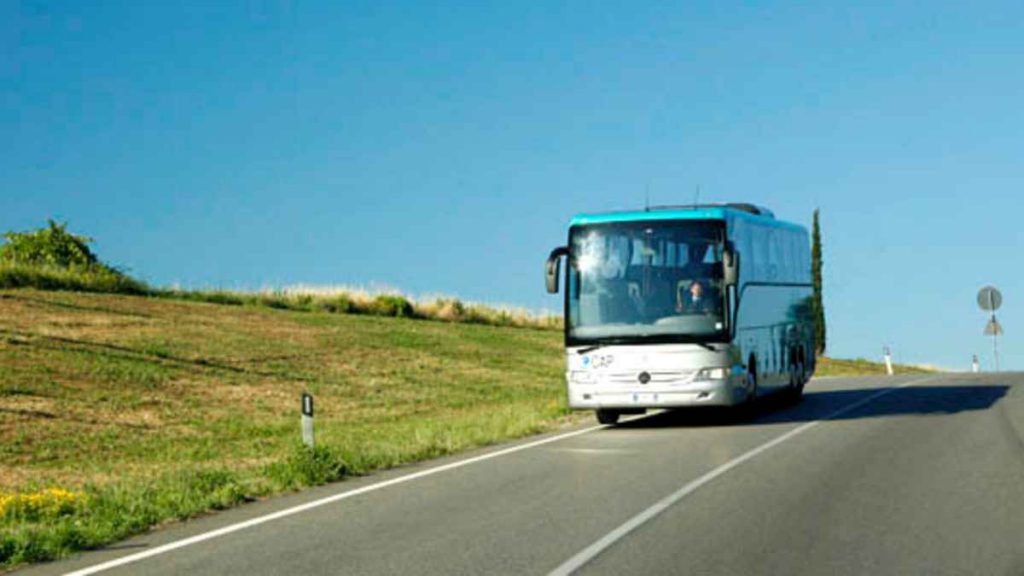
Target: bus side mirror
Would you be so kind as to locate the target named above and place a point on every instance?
(553, 267)
(730, 265)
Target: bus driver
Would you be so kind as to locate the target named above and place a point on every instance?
(695, 300)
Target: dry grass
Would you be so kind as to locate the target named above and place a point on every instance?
(375, 301)
(379, 301)
(861, 367)
(124, 397)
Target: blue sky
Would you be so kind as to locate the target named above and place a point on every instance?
(442, 148)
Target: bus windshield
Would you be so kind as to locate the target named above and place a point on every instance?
(656, 281)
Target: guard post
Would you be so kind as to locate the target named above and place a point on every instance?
(307, 419)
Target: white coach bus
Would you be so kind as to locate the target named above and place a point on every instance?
(684, 306)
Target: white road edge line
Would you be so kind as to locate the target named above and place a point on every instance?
(590, 552)
(324, 501)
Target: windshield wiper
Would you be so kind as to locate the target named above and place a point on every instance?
(705, 346)
(582, 351)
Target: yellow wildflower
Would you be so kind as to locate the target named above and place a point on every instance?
(43, 503)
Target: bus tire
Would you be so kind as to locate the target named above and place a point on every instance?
(805, 375)
(606, 416)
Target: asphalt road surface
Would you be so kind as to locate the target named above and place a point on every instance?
(898, 475)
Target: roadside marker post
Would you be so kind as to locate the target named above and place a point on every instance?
(888, 360)
(307, 419)
(975, 367)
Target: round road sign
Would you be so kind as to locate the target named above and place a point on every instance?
(989, 299)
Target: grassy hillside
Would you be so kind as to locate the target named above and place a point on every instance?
(120, 412)
(329, 299)
(143, 409)
(862, 367)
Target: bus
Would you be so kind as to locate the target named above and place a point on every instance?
(676, 306)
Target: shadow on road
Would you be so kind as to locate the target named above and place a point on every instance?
(913, 401)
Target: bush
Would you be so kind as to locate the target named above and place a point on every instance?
(476, 314)
(340, 304)
(50, 246)
(52, 258)
(275, 300)
(450, 310)
(392, 305)
(219, 297)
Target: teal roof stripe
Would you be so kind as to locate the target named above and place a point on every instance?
(643, 215)
(708, 213)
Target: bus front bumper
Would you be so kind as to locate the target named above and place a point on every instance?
(725, 392)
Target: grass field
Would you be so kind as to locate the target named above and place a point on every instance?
(120, 412)
(148, 409)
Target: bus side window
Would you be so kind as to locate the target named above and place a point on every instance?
(774, 259)
(788, 256)
(761, 259)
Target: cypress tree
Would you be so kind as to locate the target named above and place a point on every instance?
(818, 303)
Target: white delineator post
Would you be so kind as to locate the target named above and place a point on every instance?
(974, 365)
(888, 360)
(307, 419)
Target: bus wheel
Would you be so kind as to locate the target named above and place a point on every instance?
(748, 409)
(605, 416)
(802, 365)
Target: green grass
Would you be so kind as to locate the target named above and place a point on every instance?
(157, 409)
(80, 279)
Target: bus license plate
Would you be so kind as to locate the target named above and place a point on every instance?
(645, 398)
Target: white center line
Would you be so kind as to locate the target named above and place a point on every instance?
(590, 552)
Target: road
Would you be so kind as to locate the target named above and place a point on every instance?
(898, 475)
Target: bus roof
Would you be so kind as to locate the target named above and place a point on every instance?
(704, 212)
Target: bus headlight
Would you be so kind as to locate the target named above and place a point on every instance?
(581, 377)
(712, 374)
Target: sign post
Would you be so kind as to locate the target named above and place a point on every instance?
(989, 300)
(307, 419)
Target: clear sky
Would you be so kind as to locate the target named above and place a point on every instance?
(442, 148)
